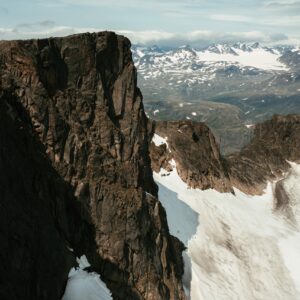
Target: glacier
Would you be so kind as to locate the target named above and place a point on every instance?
(238, 246)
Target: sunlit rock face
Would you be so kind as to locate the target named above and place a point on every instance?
(194, 148)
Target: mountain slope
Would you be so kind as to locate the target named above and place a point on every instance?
(197, 155)
(200, 164)
(274, 142)
(81, 104)
(239, 246)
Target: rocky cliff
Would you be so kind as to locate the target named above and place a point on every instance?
(76, 173)
(200, 164)
(195, 151)
(274, 142)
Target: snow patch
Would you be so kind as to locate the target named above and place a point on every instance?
(83, 262)
(84, 285)
(158, 140)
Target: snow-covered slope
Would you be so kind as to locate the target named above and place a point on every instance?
(83, 285)
(238, 247)
(291, 243)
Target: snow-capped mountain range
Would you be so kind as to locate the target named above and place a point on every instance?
(202, 64)
(249, 55)
(225, 85)
(201, 72)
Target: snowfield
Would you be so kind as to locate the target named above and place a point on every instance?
(238, 248)
(257, 58)
(291, 243)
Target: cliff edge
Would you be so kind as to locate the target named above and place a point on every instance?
(75, 165)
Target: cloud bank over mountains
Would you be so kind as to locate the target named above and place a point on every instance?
(162, 22)
(197, 38)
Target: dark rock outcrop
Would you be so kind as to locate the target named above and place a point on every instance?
(37, 220)
(196, 153)
(200, 164)
(292, 60)
(74, 147)
(265, 158)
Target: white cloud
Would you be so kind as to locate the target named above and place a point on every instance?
(6, 31)
(247, 36)
(231, 18)
(150, 37)
(282, 2)
(30, 32)
(282, 21)
(121, 3)
(282, 9)
(166, 16)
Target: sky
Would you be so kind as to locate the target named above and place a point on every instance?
(162, 22)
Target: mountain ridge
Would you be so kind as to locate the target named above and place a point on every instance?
(201, 165)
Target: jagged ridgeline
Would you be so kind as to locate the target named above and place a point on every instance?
(75, 173)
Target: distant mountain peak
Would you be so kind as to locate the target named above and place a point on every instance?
(221, 49)
(256, 45)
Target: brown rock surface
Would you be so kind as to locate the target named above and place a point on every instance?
(265, 158)
(38, 222)
(196, 153)
(84, 110)
(200, 164)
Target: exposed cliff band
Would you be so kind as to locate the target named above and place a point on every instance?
(77, 99)
(200, 164)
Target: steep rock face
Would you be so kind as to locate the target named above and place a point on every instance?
(83, 105)
(195, 151)
(40, 219)
(265, 158)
